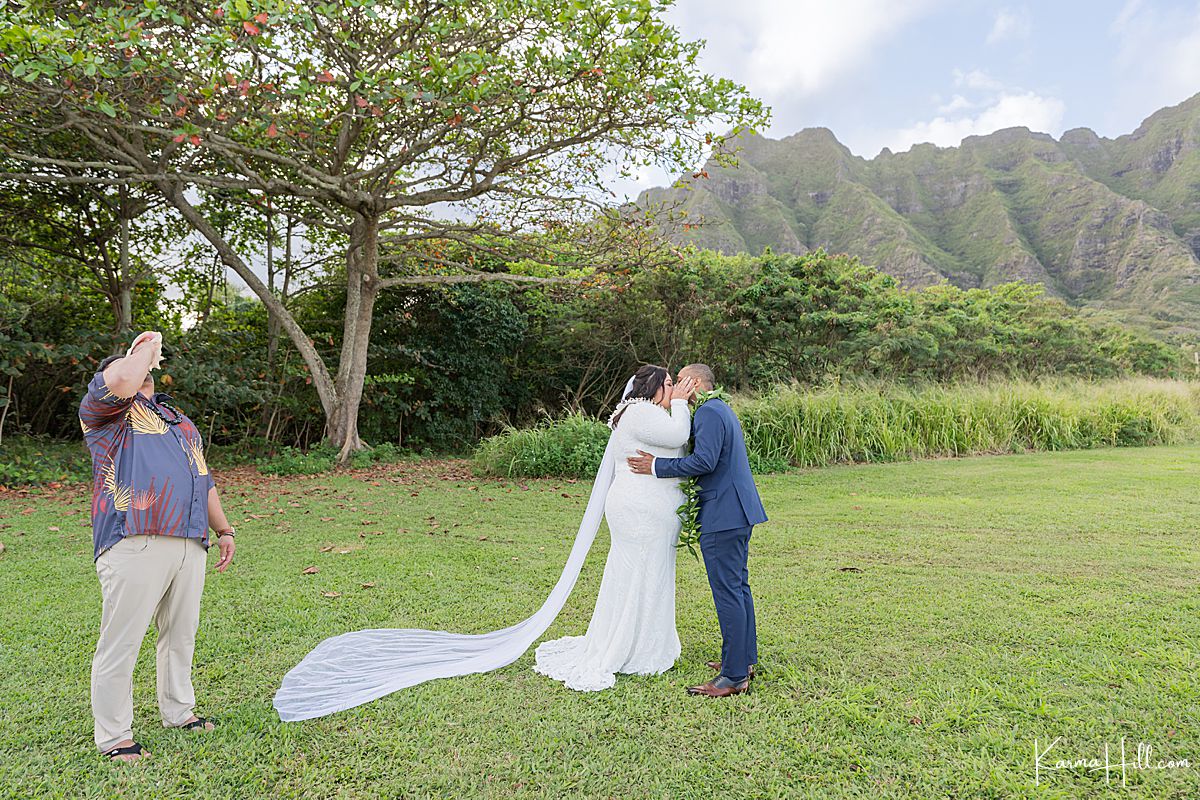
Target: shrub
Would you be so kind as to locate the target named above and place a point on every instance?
(569, 447)
(323, 458)
(33, 460)
(292, 461)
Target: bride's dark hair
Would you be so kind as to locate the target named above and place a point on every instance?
(646, 383)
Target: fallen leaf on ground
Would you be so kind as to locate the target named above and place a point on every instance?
(326, 548)
(310, 571)
(331, 594)
(367, 585)
(849, 569)
(55, 528)
(326, 519)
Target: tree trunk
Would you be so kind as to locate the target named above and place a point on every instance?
(267, 416)
(125, 292)
(322, 381)
(362, 288)
(125, 311)
(272, 321)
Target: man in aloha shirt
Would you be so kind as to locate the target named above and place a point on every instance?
(153, 500)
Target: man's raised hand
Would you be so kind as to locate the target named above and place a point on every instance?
(152, 339)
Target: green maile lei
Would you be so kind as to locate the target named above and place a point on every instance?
(689, 511)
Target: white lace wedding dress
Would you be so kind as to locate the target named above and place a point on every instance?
(633, 625)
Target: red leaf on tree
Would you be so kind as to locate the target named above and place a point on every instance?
(325, 77)
(361, 102)
(250, 28)
(180, 138)
(218, 12)
(181, 112)
(272, 131)
(457, 118)
(261, 19)
(194, 139)
(244, 88)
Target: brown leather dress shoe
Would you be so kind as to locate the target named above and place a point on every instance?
(716, 667)
(720, 686)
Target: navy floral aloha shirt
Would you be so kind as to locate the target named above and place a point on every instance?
(148, 477)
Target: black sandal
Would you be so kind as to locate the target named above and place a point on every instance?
(134, 749)
(197, 723)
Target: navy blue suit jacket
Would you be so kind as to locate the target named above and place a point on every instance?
(727, 494)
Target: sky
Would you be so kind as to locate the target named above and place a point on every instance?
(894, 73)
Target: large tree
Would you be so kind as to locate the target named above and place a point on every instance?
(411, 128)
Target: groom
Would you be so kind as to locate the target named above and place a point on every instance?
(729, 510)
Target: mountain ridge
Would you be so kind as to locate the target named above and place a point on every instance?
(1102, 223)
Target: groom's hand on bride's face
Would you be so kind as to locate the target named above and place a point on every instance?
(642, 463)
(684, 388)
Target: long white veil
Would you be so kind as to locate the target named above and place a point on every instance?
(355, 668)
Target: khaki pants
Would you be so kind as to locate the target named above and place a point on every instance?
(145, 577)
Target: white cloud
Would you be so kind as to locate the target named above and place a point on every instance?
(1128, 12)
(957, 103)
(976, 79)
(1008, 108)
(1010, 24)
(797, 48)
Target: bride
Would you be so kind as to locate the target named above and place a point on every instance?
(632, 628)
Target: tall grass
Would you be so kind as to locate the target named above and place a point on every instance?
(886, 422)
(867, 423)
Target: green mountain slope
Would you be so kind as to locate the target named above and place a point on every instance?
(1111, 224)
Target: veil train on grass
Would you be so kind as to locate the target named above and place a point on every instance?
(355, 668)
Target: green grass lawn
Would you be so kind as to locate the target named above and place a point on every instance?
(994, 601)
